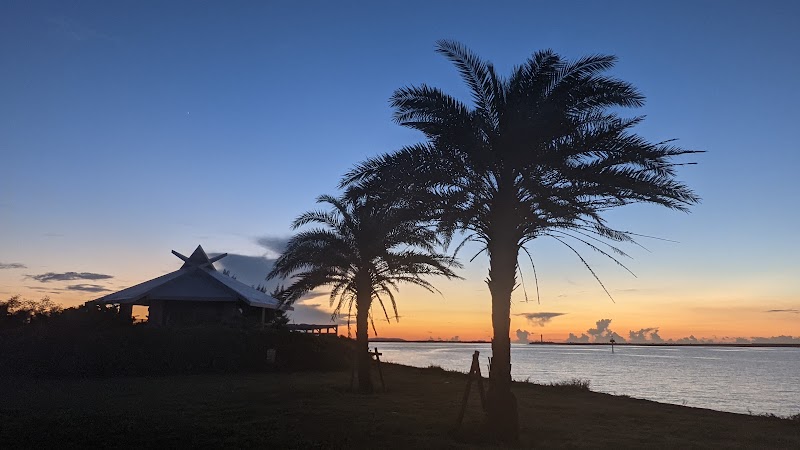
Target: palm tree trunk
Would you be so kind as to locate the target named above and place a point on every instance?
(363, 302)
(501, 403)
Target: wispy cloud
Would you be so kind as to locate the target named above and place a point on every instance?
(13, 266)
(793, 311)
(68, 276)
(540, 318)
(87, 288)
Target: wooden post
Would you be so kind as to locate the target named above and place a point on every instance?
(380, 372)
(474, 372)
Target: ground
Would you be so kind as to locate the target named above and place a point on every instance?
(316, 410)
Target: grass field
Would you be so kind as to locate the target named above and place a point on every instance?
(316, 410)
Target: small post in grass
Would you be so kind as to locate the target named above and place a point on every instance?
(378, 361)
(374, 356)
(474, 373)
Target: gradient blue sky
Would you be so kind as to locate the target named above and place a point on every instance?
(131, 128)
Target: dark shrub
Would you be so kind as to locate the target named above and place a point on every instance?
(56, 350)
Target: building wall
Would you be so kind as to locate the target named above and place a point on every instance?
(181, 313)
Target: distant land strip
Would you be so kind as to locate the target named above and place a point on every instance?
(627, 344)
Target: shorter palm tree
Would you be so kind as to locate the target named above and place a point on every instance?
(362, 252)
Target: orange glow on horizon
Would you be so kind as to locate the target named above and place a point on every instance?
(425, 316)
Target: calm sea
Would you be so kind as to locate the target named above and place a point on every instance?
(735, 379)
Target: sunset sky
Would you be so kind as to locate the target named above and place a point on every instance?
(129, 129)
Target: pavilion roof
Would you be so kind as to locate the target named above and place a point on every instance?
(196, 280)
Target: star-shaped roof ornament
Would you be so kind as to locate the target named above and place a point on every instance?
(199, 259)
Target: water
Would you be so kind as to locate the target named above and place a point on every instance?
(735, 379)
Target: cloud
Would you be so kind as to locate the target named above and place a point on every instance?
(275, 245)
(603, 333)
(250, 270)
(87, 288)
(69, 276)
(645, 335)
(253, 270)
(12, 266)
(39, 288)
(583, 338)
(522, 336)
(600, 334)
(776, 340)
(540, 319)
(691, 340)
(794, 311)
(315, 313)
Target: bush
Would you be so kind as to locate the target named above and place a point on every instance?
(57, 350)
(42, 339)
(578, 384)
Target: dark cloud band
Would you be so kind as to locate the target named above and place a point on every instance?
(69, 276)
(87, 288)
(540, 318)
(13, 266)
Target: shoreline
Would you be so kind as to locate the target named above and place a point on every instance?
(623, 344)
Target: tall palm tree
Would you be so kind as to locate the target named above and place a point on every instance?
(362, 251)
(540, 153)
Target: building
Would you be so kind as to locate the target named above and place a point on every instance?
(195, 293)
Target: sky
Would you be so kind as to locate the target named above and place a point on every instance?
(129, 129)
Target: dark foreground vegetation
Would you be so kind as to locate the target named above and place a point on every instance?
(316, 410)
(39, 339)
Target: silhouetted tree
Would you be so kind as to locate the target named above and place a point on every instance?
(17, 311)
(362, 251)
(540, 153)
(228, 273)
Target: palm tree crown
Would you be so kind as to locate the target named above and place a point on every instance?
(539, 150)
(540, 153)
(363, 251)
(359, 238)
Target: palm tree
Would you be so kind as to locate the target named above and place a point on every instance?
(540, 153)
(362, 251)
